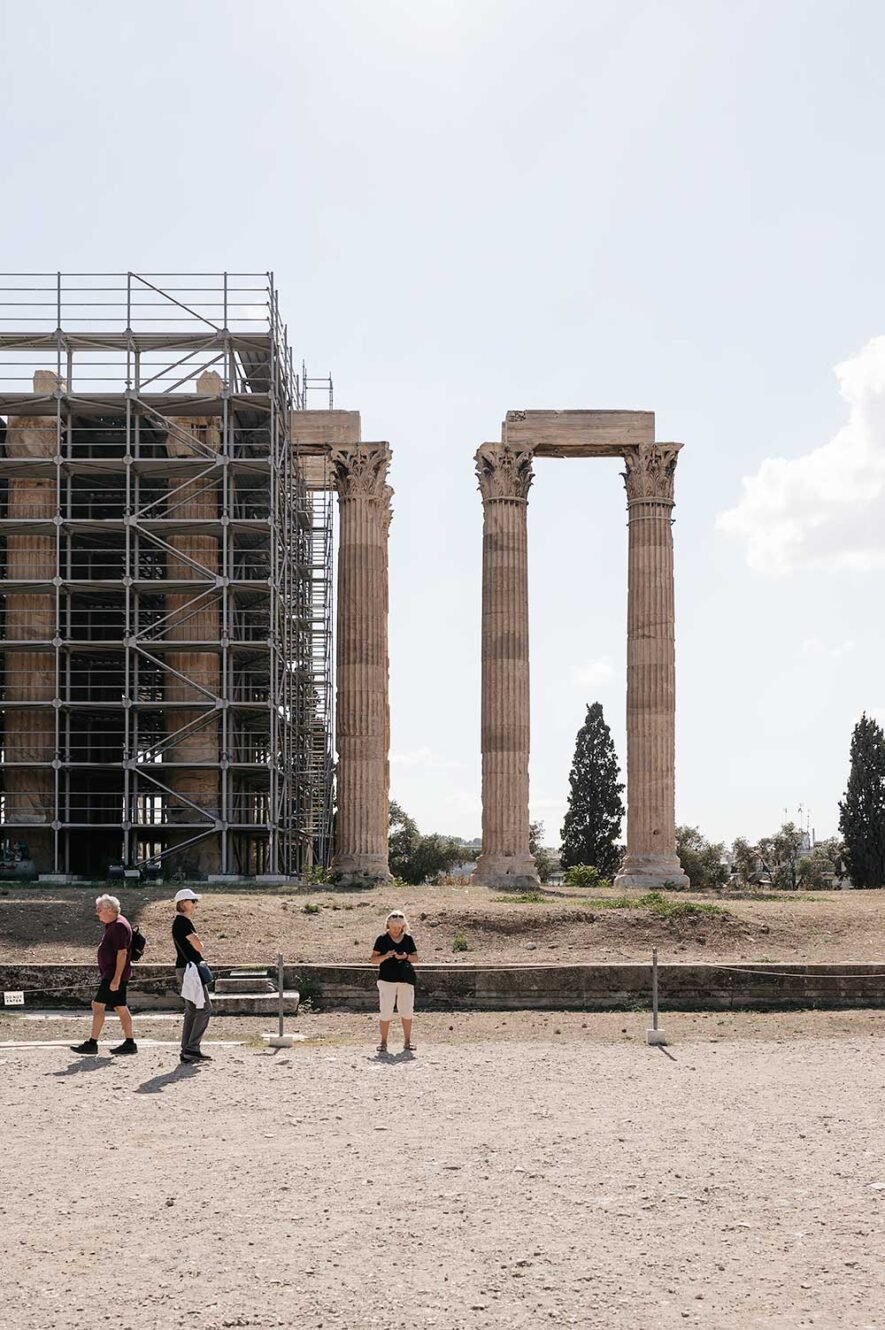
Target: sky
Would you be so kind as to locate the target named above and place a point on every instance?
(472, 206)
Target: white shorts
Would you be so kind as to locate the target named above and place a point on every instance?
(401, 994)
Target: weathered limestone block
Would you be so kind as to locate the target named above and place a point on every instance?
(505, 475)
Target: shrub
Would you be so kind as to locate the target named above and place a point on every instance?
(310, 908)
(459, 943)
(585, 876)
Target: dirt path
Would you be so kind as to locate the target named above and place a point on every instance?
(574, 1179)
(59, 925)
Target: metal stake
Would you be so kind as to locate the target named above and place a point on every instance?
(654, 1036)
(280, 985)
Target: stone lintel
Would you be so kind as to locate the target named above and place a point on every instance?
(324, 429)
(578, 433)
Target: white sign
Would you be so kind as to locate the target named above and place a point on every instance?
(13, 999)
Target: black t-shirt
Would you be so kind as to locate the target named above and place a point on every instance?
(184, 952)
(392, 970)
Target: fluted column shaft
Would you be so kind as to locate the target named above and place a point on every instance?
(505, 475)
(362, 664)
(651, 858)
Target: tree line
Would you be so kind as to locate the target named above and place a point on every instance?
(783, 860)
(592, 828)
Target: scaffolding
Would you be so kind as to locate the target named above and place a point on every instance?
(165, 581)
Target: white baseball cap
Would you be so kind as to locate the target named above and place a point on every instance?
(185, 895)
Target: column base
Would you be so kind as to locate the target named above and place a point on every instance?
(652, 871)
(513, 871)
(359, 870)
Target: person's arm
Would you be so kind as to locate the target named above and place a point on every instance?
(122, 957)
(377, 956)
(195, 942)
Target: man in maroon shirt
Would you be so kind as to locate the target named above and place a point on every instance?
(115, 967)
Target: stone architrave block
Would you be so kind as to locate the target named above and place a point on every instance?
(578, 433)
(324, 429)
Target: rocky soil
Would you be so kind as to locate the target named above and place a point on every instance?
(563, 925)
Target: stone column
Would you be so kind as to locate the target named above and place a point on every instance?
(30, 617)
(362, 665)
(651, 860)
(198, 744)
(505, 474)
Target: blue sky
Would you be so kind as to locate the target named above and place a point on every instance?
(471, 207)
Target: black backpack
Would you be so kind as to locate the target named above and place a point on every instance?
(139, 942)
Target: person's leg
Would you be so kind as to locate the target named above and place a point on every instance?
(190, 1013)
(199, 1021)
(387, 996)
(98, 1014)
(125, 1017)
(405, 1003)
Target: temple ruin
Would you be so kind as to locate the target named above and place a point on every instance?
(167, 697)
(505, 472)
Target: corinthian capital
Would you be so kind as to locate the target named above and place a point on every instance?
(650, 471)
(360, 471)
(504, 472)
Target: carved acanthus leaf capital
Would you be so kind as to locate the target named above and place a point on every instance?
(360, 471)
(387, 507)
(650, 468)
(504, 472)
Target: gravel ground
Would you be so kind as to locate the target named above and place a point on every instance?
(522, 1169)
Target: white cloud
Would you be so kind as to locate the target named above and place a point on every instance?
(595, 673)
(826, 508)
(813, 646)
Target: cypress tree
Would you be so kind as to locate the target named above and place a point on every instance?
(595, 810)
(862, 811)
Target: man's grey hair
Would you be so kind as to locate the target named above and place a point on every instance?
(108, 903)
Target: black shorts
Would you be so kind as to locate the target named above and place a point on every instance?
(110, 999)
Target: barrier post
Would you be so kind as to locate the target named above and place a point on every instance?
(655, 1036)
(280, 1040)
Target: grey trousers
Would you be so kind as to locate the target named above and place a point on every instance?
(195, 1021)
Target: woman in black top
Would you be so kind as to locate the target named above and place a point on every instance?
(188, 947)
(394, 953)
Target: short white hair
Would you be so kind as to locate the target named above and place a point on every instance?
(108, 903)
(397, 914)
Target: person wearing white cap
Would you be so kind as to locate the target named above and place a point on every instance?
(189, 951)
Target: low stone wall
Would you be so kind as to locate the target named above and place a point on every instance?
(706, 987)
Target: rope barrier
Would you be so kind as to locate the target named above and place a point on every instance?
(792, 974)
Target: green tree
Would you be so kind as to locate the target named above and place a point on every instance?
(862, 811)
(403, 840)
(416, 858)
(433, 855)
(780, 854)
(701, 859)
(815, 871)
(542, 857)
(595, 811)
(746, 861)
